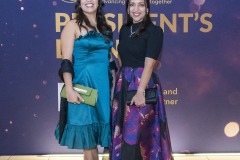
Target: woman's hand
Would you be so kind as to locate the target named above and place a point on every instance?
(73, 96)
(139, 99)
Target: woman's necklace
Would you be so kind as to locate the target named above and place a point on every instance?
(131, 32)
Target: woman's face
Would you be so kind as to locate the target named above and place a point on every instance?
(89, 6)
(137, 10)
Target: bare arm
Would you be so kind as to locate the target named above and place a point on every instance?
(114, 78)
(119, 61)
(139, 98)
(67, 40)
(153, 50)
(147, 72)
(67, 43)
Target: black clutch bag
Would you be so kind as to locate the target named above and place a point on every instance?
(150, 96)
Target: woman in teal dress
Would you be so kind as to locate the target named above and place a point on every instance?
(85, 42)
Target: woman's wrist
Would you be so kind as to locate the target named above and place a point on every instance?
(69, 86)
(141, 90)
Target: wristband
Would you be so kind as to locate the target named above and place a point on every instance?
(66, 66)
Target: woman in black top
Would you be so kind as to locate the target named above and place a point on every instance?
(139, 128)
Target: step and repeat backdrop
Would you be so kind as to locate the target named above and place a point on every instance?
(199, 72)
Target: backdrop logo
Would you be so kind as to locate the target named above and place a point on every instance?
(158, 2)
(69, 1)
(114, 2)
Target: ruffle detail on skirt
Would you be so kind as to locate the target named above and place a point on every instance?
(85, 137)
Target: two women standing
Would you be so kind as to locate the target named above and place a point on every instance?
(139, 129)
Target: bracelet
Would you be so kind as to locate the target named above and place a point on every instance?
(141, 90)
(66, 66)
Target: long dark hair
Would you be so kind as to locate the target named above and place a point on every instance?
(102, 25)
(146, 20)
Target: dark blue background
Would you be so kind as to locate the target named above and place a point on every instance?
(205, 67)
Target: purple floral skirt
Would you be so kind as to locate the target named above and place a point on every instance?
(138, 133)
